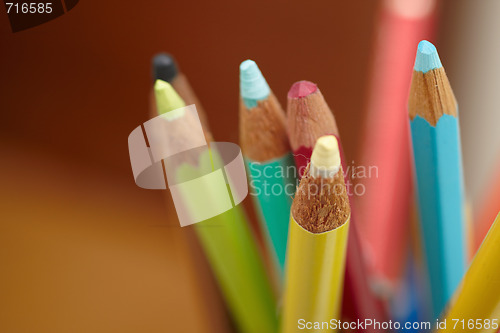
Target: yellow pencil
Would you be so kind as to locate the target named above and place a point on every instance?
(476, 304)
(317, 240)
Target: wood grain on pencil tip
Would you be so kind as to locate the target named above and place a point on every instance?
(308, 117)
(431, 95)
(262, 120)
(319, 212)
(262, 125)
(321, 203)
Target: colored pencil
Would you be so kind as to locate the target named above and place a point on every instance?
(226, 239)
(165, 68)
(384, 208)
(309, 117)
(269, 162)
(476, 304)
(438, 165)
(319, 225)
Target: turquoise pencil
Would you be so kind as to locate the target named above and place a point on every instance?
(269, 162)
(438, 167)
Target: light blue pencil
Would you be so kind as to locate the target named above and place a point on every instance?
(269, 161)
(438, 168)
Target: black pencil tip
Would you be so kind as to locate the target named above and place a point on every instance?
(164, 67)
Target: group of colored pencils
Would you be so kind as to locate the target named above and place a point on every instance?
(319, 267)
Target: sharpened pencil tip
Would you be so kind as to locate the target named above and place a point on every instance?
(166, 97)
(427, 57)
(253, 85)
(302, 89)
(164, 67)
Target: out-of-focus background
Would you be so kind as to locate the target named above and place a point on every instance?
(82, 248)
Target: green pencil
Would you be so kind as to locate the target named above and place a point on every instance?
(226, 239)
(269, 161)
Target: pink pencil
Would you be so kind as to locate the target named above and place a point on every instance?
(384, 207)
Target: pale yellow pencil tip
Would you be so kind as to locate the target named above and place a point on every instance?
(166, 97)
(325, 156)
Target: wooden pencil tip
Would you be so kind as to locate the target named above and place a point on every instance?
(302, 89)
(427, 57)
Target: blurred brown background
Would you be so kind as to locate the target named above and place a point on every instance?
(82, 249)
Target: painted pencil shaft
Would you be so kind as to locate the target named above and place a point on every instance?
(438, 168)
(231, 250)
(319, 225)
(477, 299)
(315, 281)
(272, 197)
(269, 162)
